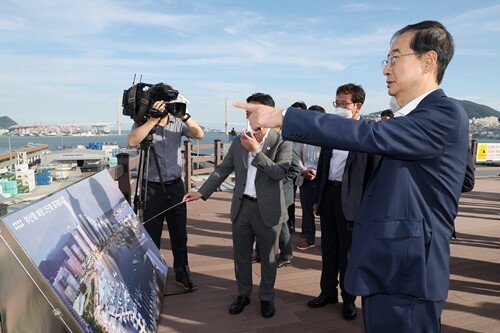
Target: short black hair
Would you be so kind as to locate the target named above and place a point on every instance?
(261, 98)
(356, 91)
(431, 36)
(299, 105)
(387, 113)
(317, 108)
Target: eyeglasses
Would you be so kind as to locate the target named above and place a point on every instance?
(391, 59)
(341, 104)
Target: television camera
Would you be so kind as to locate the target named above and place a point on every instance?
(138, 100)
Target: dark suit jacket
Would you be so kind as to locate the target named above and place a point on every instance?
(272, 165)
(358, 169)
(288, 182)
(401, 237)
(470, 179)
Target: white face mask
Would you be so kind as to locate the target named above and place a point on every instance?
(394, 104)
(344, 113)
(249, 128)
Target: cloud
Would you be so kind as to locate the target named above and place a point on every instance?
(466, 23)
(357, 7)
(11, 24)
(78, 56)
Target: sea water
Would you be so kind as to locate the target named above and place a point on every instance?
(60, 142)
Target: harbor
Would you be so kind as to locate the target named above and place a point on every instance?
(25, 164)
(13, 143)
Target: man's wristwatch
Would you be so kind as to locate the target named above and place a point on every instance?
(186, 117)
(254, 153)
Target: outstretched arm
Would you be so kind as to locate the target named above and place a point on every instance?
(191, 196)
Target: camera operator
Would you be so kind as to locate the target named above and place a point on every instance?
(166, 131)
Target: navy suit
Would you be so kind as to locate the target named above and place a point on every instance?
(401, 237)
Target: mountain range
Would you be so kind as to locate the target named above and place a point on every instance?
(473, 110)
(6, 122)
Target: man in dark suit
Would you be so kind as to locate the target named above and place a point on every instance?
(339, 184)
(260, 162)
(400, 253)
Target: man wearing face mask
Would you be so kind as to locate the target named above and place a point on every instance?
(340, 181)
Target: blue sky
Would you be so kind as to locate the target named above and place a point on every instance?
(69, 61)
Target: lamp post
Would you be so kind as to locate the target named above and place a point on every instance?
(10, 153)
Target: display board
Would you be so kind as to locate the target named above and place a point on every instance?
(488, 152)
(89, 256)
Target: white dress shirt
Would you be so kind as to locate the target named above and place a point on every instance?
(411, 106)
(337, 164)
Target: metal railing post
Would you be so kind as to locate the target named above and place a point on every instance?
(473, 148)
(188, 164)
(217, 152)
(124, 178)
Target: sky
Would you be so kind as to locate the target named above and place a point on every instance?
(68, 62)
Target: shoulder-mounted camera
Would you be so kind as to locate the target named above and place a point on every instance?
(138, 100)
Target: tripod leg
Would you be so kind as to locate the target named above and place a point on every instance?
(139, 193)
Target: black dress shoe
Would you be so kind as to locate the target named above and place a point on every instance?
(255, 258)
(267, 309)
(284, 262)
(349, 311)
(238, 305)
(186, 283)
(321, 301)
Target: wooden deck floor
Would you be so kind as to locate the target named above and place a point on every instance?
(473, 303)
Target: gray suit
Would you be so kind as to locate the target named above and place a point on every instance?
(255, 219)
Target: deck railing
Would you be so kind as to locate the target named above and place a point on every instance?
(194, 163)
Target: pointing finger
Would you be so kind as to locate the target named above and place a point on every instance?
(247, 106)
(241, 105)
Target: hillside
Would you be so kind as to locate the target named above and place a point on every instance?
(6, 122)
(475, 110)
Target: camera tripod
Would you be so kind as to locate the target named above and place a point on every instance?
(140, 197)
